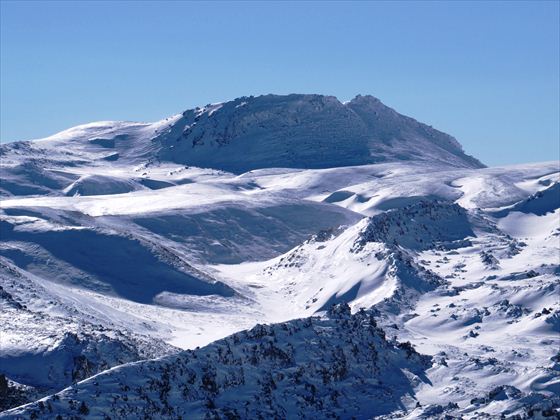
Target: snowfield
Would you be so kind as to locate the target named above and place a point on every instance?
(391, 275)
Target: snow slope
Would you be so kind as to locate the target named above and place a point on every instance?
(115, 248)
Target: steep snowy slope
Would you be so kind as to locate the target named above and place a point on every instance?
(364, 264)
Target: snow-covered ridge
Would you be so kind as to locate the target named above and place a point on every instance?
(295, 131)
(342, 365)
(422, 225)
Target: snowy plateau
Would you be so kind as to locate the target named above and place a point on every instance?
(276, 257)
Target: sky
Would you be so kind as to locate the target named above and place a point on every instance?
(485, 72)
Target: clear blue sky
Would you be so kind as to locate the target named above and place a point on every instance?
(485, 72)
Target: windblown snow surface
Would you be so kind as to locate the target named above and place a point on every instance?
(276, 257)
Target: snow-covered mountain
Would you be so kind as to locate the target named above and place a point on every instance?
(122, 242)
(292, 131)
